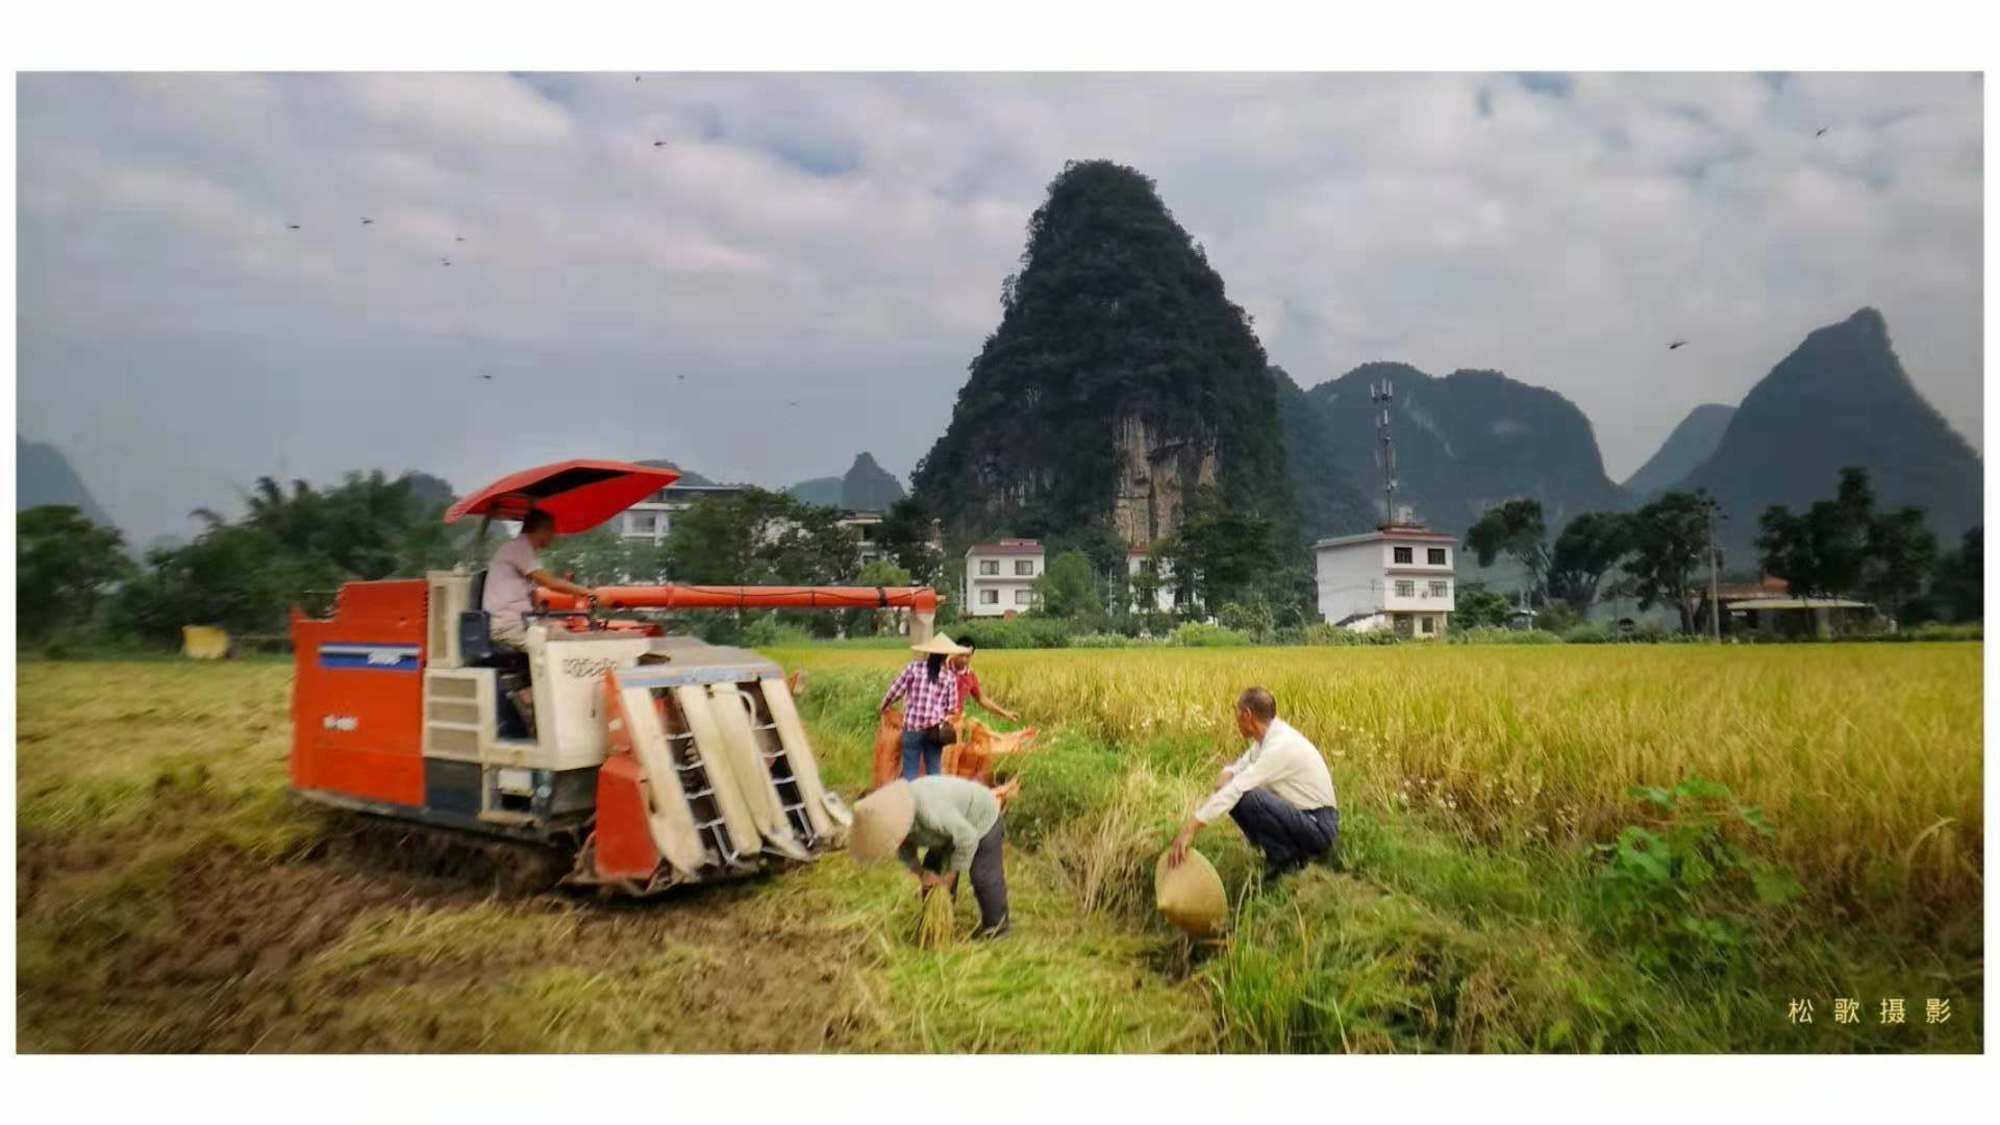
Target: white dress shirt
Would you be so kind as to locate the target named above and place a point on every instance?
(1284, 762)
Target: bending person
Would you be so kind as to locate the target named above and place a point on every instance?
(1279, 792)
(958, 824)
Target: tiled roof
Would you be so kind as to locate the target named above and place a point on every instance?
(1010, 547)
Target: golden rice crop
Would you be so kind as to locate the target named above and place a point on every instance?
(1865, 757)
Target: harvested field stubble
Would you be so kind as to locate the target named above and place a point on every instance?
(173, 896)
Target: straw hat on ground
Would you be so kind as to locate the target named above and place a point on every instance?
(940, 645)
(881, 821)
(1191, 895)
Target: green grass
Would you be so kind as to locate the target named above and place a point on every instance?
(175, 897)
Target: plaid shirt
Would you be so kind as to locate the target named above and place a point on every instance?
(929, 700)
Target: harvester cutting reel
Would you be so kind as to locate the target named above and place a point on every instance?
(708, 776)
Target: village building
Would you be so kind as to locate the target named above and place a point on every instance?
(1000, 577)
(1398, 577)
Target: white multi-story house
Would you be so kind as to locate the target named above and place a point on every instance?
(1396, 577)
(1000, 577)
(1163, 594)
(652, 518)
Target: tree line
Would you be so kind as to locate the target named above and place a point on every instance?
(1659, 555)
(78, 582)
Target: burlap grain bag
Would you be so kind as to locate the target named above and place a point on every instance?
(1191, 895)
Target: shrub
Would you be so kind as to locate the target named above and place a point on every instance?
(1014, 632)
(770, 632)
(1589, 634)
(1197, 634)
(1674, 889)
(1487, 635)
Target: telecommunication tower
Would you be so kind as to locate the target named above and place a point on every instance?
(1382, 394)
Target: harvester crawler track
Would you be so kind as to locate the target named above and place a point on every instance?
(508, 868)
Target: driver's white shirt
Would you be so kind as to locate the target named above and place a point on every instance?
(510, 593)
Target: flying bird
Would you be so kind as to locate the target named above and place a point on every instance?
(1822, 132)
(291, 226)
(635, 78)
(681, 378)
(1677, 344)
(659, 144)
(488, 378)
(446, 261)
(366, 221)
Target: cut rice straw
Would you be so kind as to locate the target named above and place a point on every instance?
(935, 930)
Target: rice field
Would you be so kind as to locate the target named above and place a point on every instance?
(173, 897)
(1868, 757)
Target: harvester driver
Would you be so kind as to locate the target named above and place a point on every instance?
(511, 579)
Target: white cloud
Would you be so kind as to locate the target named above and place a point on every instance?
(840, 240)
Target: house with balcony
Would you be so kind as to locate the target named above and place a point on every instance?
(1000, 577)
(1398, 577)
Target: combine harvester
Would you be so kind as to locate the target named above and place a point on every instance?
(656, 761)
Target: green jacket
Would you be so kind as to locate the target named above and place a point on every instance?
(952, 813)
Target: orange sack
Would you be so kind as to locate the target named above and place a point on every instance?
(888, 748)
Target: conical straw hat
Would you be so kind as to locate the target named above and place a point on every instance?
(881, 821)
(940, 645)
(1191, 895)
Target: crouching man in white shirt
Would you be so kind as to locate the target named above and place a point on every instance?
(1279, 792)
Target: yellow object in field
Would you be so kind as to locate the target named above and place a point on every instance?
(203, 642)
(934, 931)
(1191, 895)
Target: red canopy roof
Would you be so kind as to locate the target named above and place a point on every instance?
(579, 494)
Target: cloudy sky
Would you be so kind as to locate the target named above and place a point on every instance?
(807, 264)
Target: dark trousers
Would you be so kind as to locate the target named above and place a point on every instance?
(1288, 836)
(989, 878)
(915, 748)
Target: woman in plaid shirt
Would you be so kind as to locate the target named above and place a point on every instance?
(930, 686)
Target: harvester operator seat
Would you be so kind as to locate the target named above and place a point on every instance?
(475, 629)
(477, 650)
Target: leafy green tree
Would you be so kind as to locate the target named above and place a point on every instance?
(1590, 547)
(905, 534)
(64, 564)
(1068, 588)
(1822, 552)
(1669, 539)
(598, 557)
(1902, 553)
(1514, 529)
(1223, 552)
(874, 622)
(1478, 607)
(762, 538)
(239, 578)
(1959, 581)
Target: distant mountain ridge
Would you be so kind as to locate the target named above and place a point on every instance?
(43, 476)
(1840, 398)
(1464, 442)
(1691, 443)
(866, 487)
